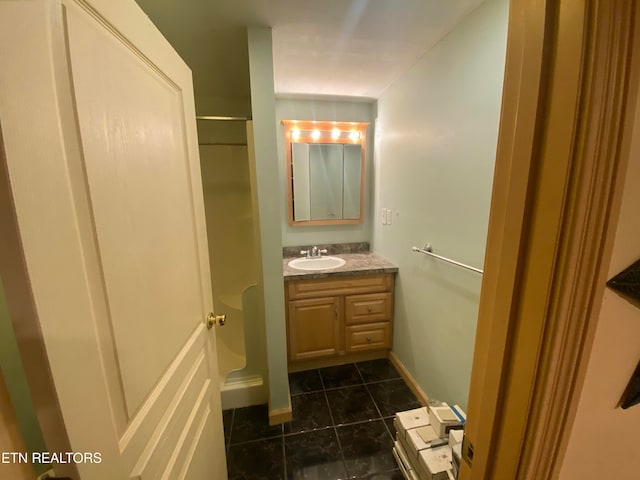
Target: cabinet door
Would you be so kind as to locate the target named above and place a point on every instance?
(314, 328)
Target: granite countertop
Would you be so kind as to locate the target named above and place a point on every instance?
(356, 264)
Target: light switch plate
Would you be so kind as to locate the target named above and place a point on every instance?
(389, 216)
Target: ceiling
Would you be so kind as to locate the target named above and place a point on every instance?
(353, 48)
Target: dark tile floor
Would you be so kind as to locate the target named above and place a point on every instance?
(341, 429)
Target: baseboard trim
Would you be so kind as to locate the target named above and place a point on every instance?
(423, 398)
(280, 415)
(243, 392)
(310, 364)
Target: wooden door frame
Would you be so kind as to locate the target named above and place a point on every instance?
(572, 68)
(571, 80)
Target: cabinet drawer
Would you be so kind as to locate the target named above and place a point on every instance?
(368, 337)
(324, 287)
(368, 308)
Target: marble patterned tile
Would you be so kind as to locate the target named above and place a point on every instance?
(310, 412)
(390, 426)
(227, 422)
(252, 423)
(305, 382)
(355, 264)
(351, 404)
(393, 396)
(377, 370)
(367, 448)
(340, 376)
(260, 460)
(314, 456)
(332, 249)
(393, 475)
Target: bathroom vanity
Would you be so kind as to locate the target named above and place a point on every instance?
(342, 312)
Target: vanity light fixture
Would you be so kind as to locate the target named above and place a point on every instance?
(339, 149)
(316, 131)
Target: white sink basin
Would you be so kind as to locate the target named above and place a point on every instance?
(320, 263)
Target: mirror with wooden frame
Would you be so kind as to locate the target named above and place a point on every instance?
(325, 171)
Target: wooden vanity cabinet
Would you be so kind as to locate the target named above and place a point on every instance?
(329, 317)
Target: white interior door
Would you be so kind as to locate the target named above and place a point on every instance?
(99, 134)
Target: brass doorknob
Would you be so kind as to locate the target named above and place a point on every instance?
(215, 319)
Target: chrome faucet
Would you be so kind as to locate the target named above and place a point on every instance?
(313, 252)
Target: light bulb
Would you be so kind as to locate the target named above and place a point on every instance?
(315, 134)
(335, 133)
(355, 136)
(295, 133)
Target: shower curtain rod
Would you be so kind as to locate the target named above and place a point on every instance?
(222, 118)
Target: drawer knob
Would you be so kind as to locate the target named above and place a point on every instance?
(369, 309)
(368, 339)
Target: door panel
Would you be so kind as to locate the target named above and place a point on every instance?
(133, 140)
(103, 168)
(169, 412)
(199, 465)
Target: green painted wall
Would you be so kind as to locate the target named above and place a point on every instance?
(16, 381)
(268, 183)
(435, 146)
(331, 110)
